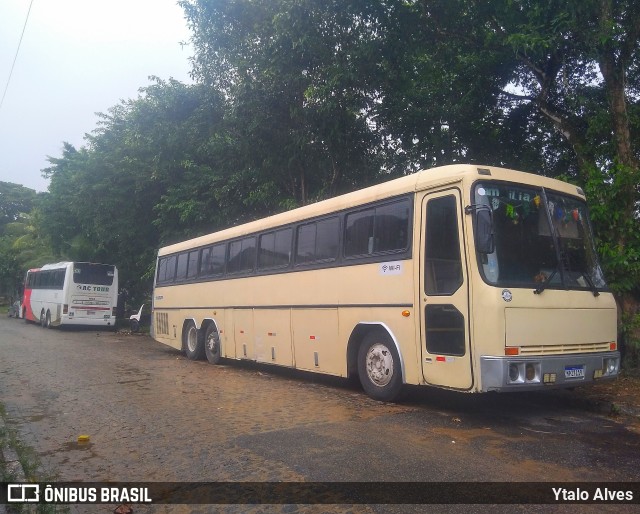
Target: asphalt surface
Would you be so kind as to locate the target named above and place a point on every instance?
(152, 415)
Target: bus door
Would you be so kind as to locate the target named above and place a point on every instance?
(444, 296)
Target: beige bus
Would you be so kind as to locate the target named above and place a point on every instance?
(463, 277)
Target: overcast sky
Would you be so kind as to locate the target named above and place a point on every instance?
(77, 57)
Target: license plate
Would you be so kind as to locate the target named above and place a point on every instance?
(574, 372)
(91, 313)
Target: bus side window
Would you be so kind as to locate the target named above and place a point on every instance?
(359, 233)
(212, 260)
(192, 265)
(275, 249)
(181, 271)
(383, 229)
(242, 254)
(167, 269)
(318, 241)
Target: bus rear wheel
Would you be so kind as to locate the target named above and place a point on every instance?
(379, 367)
(193, 341)
(47, 320)
(212, 345)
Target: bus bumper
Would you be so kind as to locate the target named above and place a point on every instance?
(95, 322)
(531, 373)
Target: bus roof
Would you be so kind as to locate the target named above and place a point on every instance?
(64, 264)
(424, 179)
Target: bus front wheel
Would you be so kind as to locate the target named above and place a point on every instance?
(212, 345)
(193, 341)
(379, 367)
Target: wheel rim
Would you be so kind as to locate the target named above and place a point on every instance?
(212, 343)
(379, 363)
(192, 339)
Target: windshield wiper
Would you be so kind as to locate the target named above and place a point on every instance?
(556, 246)
(546, 282)
(593, 287)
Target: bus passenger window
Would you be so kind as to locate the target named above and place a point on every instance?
(275, 249)
(318, 241)
(242, 255)
(192, 267)
(181, 272)
(359, 233)
(167, 269)
(212, 261)
(384, 229)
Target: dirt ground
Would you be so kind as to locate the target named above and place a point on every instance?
(618, 398)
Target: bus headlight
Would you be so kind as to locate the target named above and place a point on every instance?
(514, 374)
(610, 366)
(524, 372)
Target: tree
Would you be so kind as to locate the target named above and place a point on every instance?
(553, 84)
(143, 180)
(15, 202)
(296, 114)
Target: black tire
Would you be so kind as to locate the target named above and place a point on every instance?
(379, 367)
(212, 348)
(193, 341)
(135, 325)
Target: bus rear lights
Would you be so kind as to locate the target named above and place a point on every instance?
(65, 308)
(512, 350)
(613, 346)
(549, 378)
(524, 373)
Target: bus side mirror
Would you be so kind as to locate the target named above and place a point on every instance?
(485, 243)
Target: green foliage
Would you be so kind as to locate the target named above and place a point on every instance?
(617, 225)
(299, 100)
(15, 201)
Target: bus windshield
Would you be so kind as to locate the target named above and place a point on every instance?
(542, 239)
(96, 274)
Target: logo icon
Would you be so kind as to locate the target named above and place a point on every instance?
(23, 493)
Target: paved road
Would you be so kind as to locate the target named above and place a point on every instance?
(152, 415)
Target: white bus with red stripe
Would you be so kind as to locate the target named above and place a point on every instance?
(71, 293)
